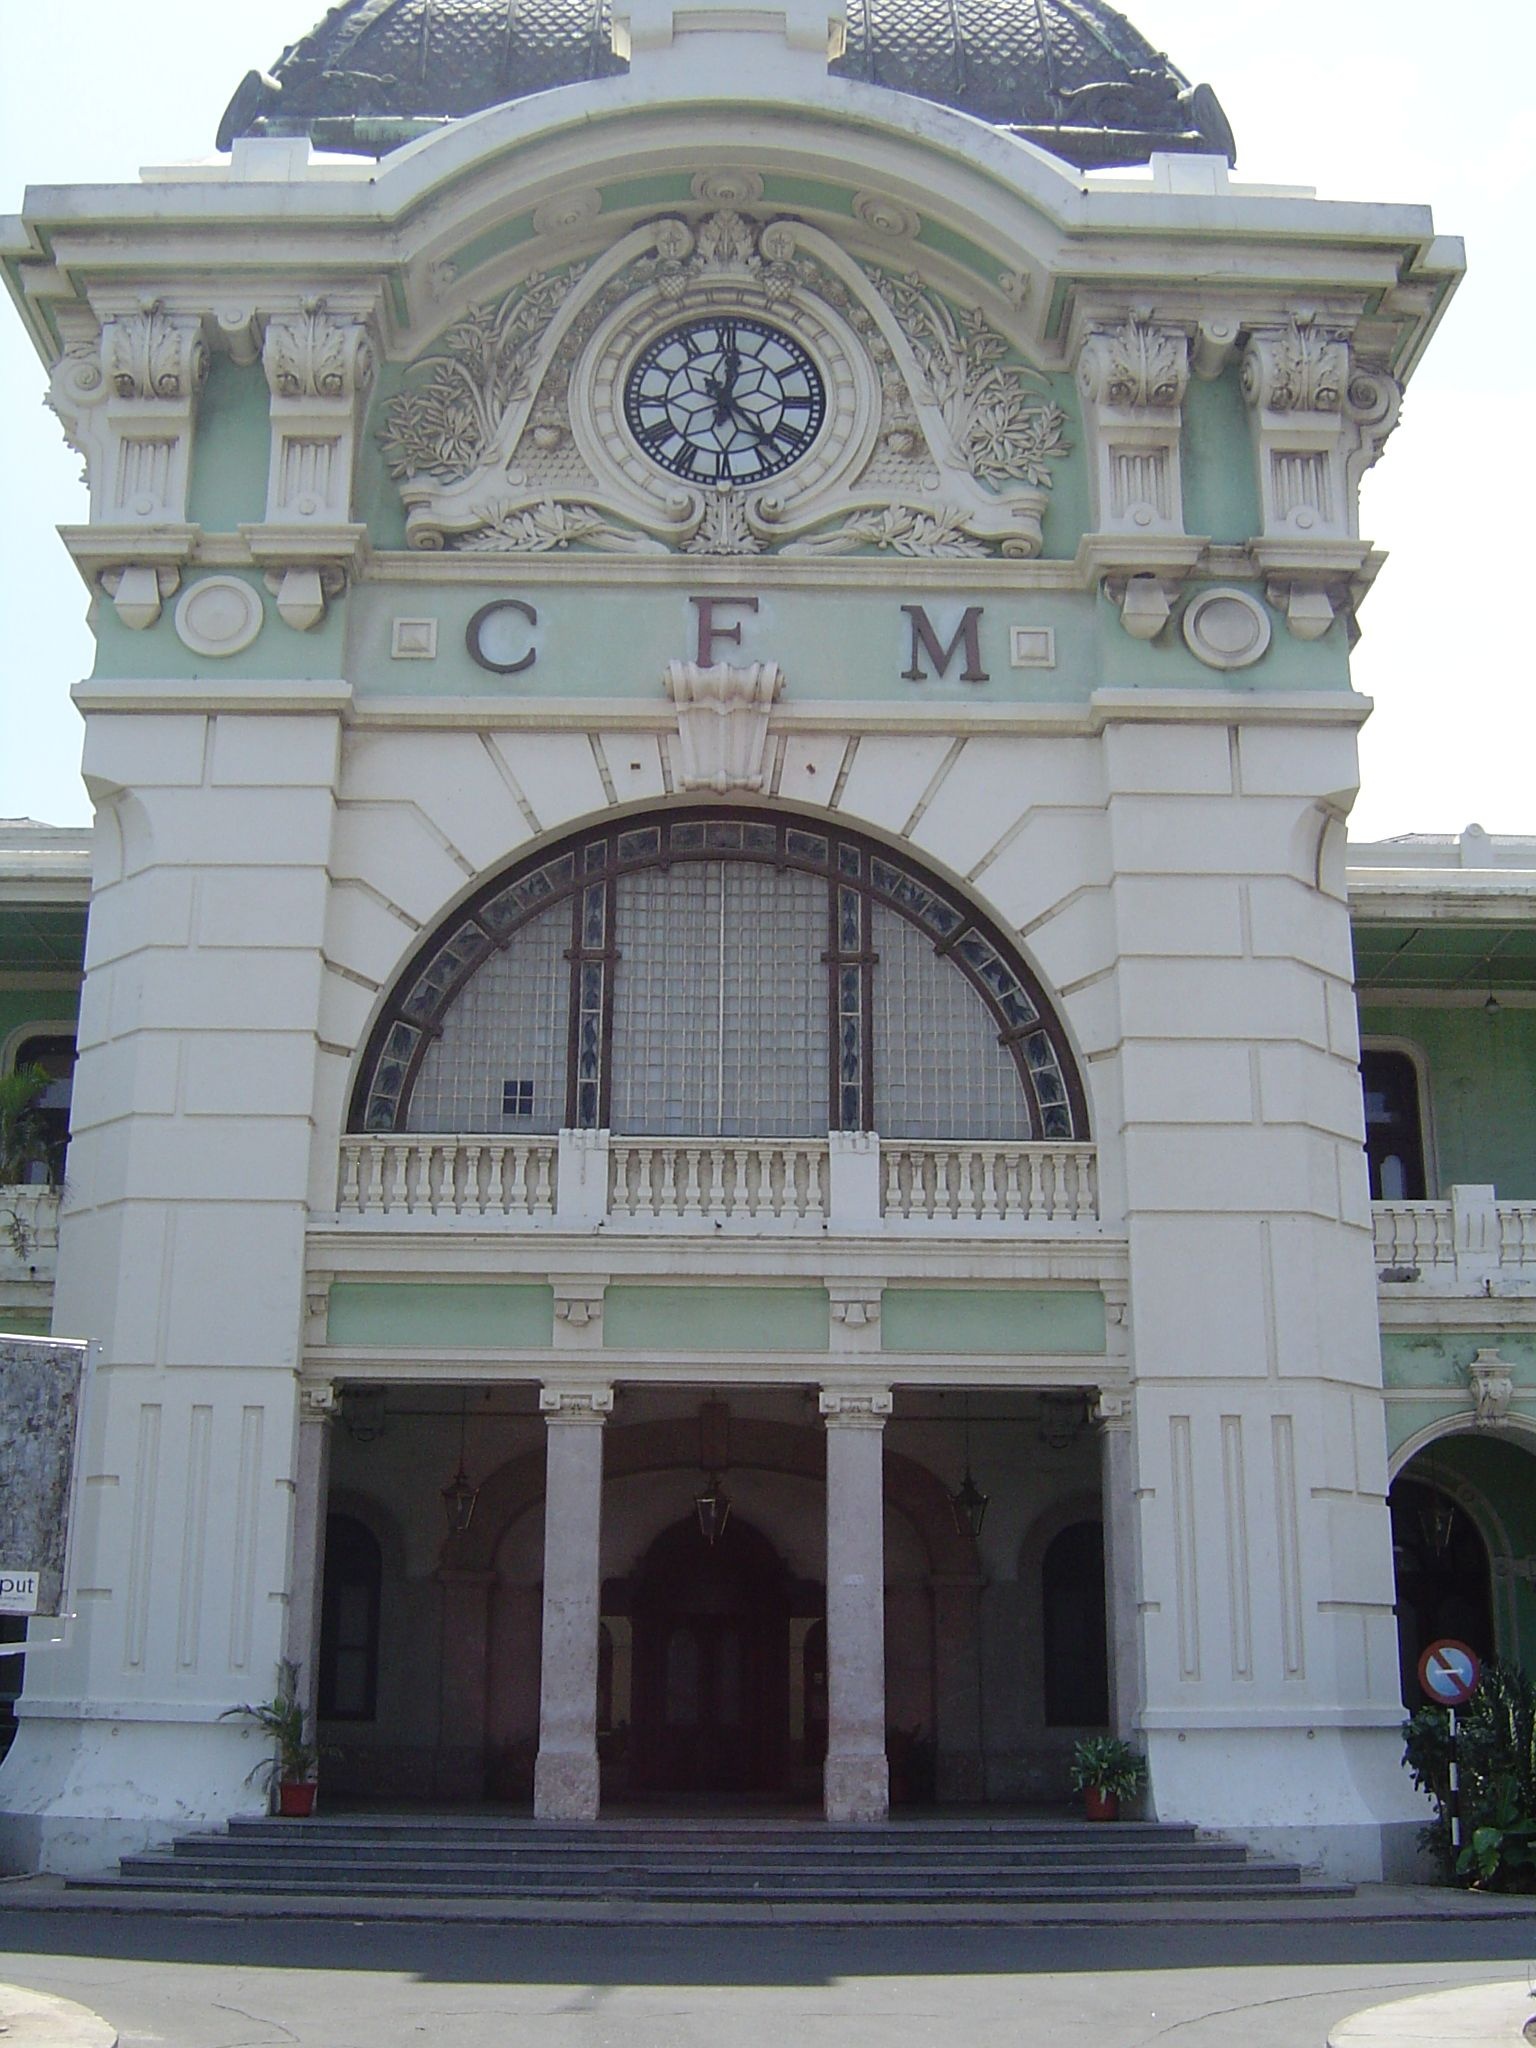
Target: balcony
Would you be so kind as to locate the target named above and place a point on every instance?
(589, 1180)
(1471, 1244)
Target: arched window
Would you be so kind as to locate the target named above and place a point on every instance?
(720, 976)
(1394, 1126)
(349, 1621)
(1444, 1578)
(1074, 1646)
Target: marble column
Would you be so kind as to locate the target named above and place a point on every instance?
(565, 1782)
(1112, 1414)
(306, 1574)
(857, 1782)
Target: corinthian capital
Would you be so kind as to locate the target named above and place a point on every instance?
(1300, 367)
(154, 354)
(311, 354)
(1134, 365)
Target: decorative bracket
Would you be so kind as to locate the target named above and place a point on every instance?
(1112, 1408)
(1493, 1388)
(591, 1405)
(138, 591)
(319, 1401)
(578, 1309)
(319, 366)
(855, 1407)
(1132, 380)
(722, 721)
(126, 398)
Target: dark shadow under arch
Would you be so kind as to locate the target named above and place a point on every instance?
(797, 1450)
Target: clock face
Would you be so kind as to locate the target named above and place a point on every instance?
(724, 400)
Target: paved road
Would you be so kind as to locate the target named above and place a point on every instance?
(174, 1982)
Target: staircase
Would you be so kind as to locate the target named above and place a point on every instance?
(550, 1869)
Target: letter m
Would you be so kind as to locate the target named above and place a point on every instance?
(925, 641)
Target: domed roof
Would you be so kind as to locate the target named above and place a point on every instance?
(1071, 75)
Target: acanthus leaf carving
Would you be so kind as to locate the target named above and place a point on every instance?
(152, 354)
(1137, 365)
(310, 354)
(900, 530)
(724, 528)
(722, 721)
(1301, 367)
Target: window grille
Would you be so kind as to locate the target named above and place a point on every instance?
(720, 1003)
(510, 1018)
(940, 1071)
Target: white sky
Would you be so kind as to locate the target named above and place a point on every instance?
(1366, 99)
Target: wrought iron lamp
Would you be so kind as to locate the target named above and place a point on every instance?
(968, 1504)
(459, 1496)
(712, 1505)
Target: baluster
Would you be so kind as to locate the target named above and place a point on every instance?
(743, 1198)
(891, 1203)
(350, 1195)
(965, 1192)
(815, 1184)
(943, 1195)
(666, 1162)
(542, 1158)
(468, 1199)
(991, 1163)
(717, 1180)
(693, 1204)
(1089, 1172)
(1013, 1201)
(1034, 1200)
(396, 1196)
(495, 1181)
(517, 1187)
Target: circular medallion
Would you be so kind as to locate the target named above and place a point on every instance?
(1226, 628)
(721, 399)
(219, 615)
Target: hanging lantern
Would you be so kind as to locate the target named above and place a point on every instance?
(713, 1508)
(459, 1499)
(459, 1496)
(969, 1505)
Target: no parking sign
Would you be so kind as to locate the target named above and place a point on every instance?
(1449, 1672)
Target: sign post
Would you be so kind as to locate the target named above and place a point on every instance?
(1450, 1673)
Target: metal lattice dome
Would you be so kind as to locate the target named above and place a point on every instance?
(1071, 75)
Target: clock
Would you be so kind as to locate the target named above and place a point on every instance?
(722, 399)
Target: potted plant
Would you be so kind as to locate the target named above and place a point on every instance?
(1106, 1770)
(295, 1758)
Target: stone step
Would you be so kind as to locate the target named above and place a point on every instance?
(621, 1856)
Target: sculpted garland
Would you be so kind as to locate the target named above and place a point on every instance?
(525, 430)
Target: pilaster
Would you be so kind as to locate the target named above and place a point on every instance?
(565, 1782)
(857, 1784)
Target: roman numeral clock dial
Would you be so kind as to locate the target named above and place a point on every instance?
(724, 401)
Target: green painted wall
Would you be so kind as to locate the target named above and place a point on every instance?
(1435, 1362)
(1167, 664)
(1221, 491)
(479, 1316)
(1482, 1090)
(715, 1319)
(377, 492)
(25, 1322)
(993, 1319)
(276, 652)
(22, 1006)
(231, 448)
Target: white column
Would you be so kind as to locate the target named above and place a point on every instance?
(1112, 1414)
(306, 1577)
(857, 1783)
(565, 1781)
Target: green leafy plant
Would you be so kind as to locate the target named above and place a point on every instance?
(295, 1756)
(1106, 1764)
(1496, 1757)
(24, 1137)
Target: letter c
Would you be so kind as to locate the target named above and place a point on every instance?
(475, 636)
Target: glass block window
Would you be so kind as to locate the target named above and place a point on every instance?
(940, 1071)
(510, 1019)
(720, 975)
(720, 1013)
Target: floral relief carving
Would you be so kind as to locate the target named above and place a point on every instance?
(449, 422)
(1004, 425)
(902, 530)
(551, 527)
(724, 528)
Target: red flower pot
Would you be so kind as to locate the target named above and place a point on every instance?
(296, 1802)
(1098, 1805)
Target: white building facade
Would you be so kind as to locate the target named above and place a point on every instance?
(720, 745)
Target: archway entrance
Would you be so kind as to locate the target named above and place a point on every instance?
(1442, 1567)
(711, 1670)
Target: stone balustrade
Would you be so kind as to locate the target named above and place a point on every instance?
(585, 1178)
(1470, 1243)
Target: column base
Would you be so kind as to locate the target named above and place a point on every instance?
(565, 1787)
(857, 1788)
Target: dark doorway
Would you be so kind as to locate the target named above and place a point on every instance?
(1076, 1654)
(1444, 1581)
(711, 1671)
